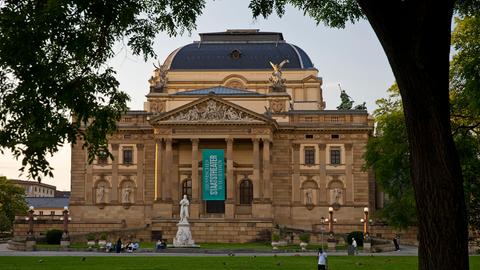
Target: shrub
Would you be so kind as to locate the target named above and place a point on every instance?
(358, 237)
(275, 237)
(90, 237)
(103, 236)
(304, 237)
(54, 236)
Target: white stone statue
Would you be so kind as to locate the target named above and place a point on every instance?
(126, 194)
(337, 196)
(308, 197)
(183, 238)
(101, 194)
(184, 203)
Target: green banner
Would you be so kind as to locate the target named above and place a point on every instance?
(213, 175)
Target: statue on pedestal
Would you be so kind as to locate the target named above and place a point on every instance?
(183, 238)
(184, 203)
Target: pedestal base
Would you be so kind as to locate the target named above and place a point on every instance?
(332, 245)
(30, 245)
(184, 236)
(64, 244)
(367, 247)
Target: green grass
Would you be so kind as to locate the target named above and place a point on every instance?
(211, 263)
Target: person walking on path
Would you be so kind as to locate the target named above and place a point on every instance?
(322, 260)
(118, 246)
(354, 246)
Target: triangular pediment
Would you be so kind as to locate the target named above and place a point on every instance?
(211, 110)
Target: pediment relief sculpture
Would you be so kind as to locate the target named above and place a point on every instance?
(211, 111)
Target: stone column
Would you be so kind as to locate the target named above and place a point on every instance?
(230, 200)
(323, 174)
(116, 156)
(296, 174)
(267, 181)
(167, 194)
(158, 169)
(195, 203)
(256, 170)
(140, 196)
(349, 173)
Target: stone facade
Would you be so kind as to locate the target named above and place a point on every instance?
(287, 159)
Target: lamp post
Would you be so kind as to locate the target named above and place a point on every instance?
(30, 241)
(365, 222)
(322, 221)
(367, 244)
(30, 235)
(65, 242)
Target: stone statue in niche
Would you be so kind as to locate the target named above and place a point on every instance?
(101, 194)
(336, 196)
(126, 194)
(308, 197)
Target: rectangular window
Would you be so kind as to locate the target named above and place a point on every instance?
(335, 156)
(52, 213)
(309, 155)
(127, 155)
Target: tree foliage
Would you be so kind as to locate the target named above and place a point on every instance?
(53, 56)
(387, 153)
(12, 202)
(465, 108)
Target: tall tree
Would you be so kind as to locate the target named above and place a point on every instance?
(387, 153)
(53, 56)
(415, 36)
(12, 202)
(465, 96)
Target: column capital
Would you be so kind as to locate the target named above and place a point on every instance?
(255, 140)
(194, 140)
(114, 146)
(296, 146)
(266, 140)
(140, 146)
(348, 146)
(322, 146)
(229, 140)
(168, 140)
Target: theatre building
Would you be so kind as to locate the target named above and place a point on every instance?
(237, 122)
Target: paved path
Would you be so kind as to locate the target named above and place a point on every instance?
(405, 251)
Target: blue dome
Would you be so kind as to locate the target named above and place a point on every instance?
(237, 50)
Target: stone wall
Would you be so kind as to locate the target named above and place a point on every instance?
(218, 231)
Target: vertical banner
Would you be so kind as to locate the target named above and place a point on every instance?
(213, 175)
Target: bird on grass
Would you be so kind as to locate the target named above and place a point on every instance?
(83, 259)
(40, 261)
(224, 263)
(279, 263)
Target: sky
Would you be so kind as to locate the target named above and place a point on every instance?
(352, 57)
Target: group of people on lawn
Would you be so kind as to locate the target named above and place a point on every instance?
(120, 247)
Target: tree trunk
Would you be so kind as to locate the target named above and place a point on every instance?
(416, 38)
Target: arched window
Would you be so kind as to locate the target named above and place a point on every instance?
(246, 192)
(187, 188)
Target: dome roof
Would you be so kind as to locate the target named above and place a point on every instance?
(238, 49)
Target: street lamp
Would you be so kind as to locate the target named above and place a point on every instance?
(365, 222)
(322, 221)
(30, 218)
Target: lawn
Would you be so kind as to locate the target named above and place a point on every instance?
(211, 263)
